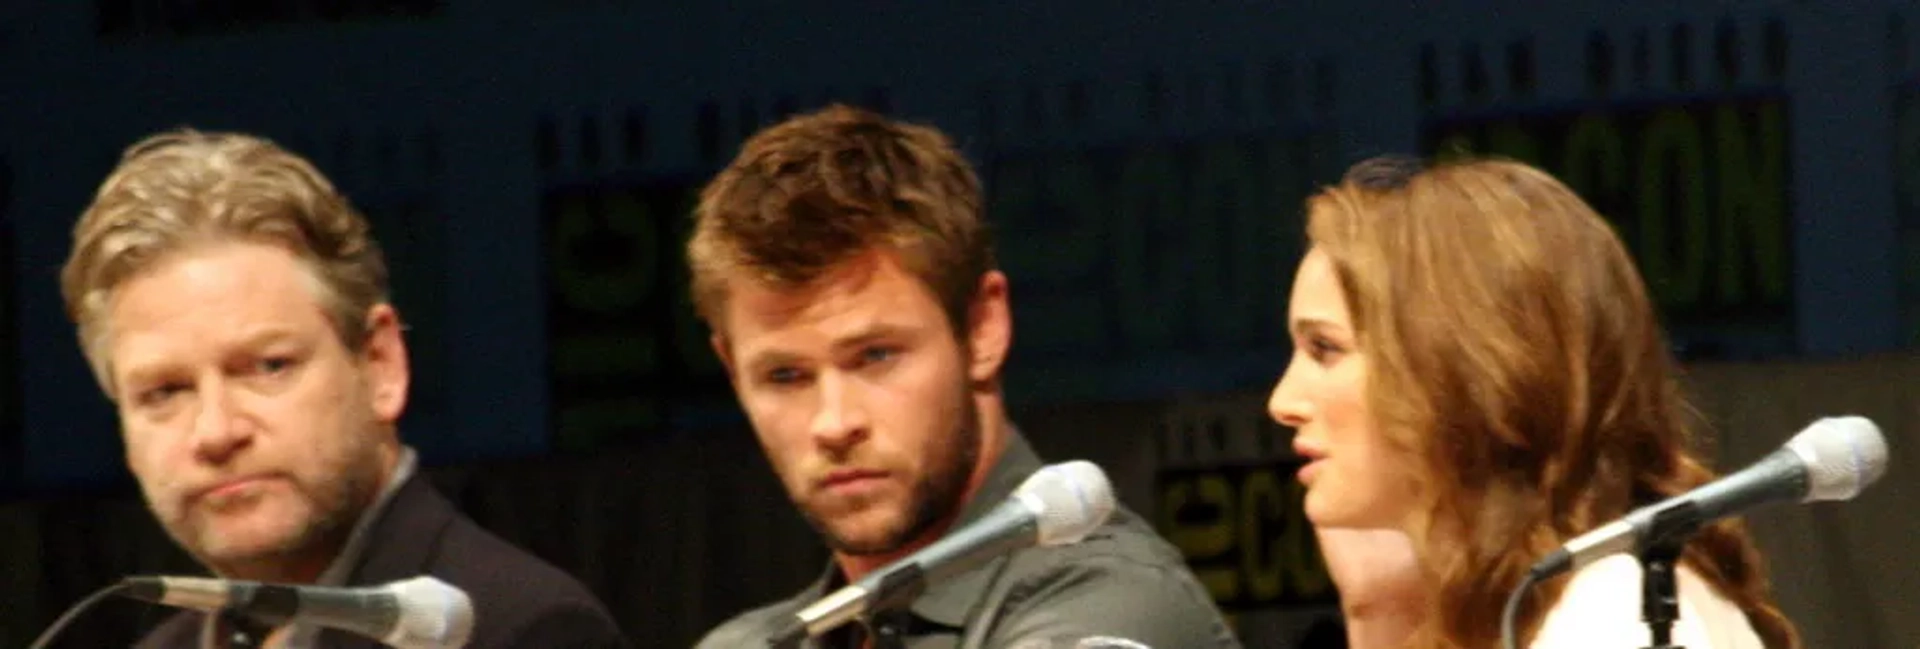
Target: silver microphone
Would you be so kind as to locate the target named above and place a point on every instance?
(418, 613)
(1835, 458)
(1058, 505)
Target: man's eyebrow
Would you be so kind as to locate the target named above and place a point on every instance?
(1301, 326)
(876, 332)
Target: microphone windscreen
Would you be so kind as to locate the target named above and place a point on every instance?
(1844, 456)
(1070, 499)
(433, 613)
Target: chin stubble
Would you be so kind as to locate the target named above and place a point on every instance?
(933, 499)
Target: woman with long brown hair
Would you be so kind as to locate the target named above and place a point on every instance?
(1479, 372)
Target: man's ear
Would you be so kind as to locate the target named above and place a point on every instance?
(989, 328)
(385, 358)
(720, 349)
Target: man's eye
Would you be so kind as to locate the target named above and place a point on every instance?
(161, 394)
(877, 354)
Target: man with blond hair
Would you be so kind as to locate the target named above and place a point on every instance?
(234, 308)
(846, 268)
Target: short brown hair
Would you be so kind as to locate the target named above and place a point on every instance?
(184, 188)
(1512, 348)
(822, 188)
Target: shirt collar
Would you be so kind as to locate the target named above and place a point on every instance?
(948, 602)
(343, 564)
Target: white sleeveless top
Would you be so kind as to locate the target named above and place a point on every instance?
(1600, 609)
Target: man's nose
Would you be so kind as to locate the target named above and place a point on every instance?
(218, 430)
(841, 419)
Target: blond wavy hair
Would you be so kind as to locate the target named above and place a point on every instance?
(185, 189)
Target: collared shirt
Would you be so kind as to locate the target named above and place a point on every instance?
(301, 636)
(1123, 583)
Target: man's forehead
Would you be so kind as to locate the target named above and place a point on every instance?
(867, 278)
(780, 300)
(819, 314)
(135, 348)
(851, 303)
(136, 334)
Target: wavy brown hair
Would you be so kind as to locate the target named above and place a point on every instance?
(827, 186)
(1513, 351)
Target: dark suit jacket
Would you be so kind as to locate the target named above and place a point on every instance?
(518, 600)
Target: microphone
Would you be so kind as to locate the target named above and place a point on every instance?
(1832, 459)
(1058, 505)
(418, 613)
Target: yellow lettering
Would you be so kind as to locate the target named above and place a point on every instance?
(1261, 560)
(1205, 540)
(1245, 535)
(1310, 578)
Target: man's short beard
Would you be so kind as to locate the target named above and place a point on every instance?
(338, 504)
(936, 497)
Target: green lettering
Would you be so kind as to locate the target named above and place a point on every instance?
(1595, 158)
(1224, 217)
(1147, 268)
(1906, 152)
(1672, 153)
(1072, 200)
(1752, 206)
(589, 424)
(1288, 181)
(7, 290)
(1510, 139)
(1454, 145)
(1044, 193)
(690, 334)
(613, 354)
(621, 288)
(1906, 159)
(1072, 251)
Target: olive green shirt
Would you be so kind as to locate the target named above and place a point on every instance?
(1123, 584)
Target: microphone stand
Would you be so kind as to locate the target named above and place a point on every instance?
(1659, 597)
(895, 591)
